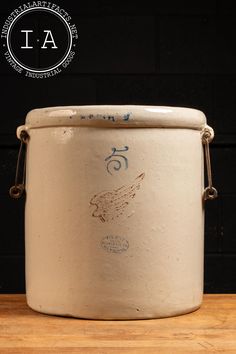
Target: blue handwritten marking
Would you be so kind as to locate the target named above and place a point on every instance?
(109, 117)
(126, 116)
(117, 160)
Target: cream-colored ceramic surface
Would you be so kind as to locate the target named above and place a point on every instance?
(116, 116)
(114, 217)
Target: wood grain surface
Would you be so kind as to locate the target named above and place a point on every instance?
(211, 329)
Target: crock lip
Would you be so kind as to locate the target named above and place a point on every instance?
(123, 116)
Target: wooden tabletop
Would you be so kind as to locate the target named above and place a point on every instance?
(210, 329)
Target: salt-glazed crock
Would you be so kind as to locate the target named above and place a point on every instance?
(114, 213)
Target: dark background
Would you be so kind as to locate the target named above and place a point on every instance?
(160, 53)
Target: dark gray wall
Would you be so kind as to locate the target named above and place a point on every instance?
(162, 53)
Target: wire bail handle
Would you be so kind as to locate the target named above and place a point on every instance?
(18, 189)
(210, 192)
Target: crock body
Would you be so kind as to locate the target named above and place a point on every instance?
(114, 221)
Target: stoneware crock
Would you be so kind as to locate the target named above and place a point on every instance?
(114, 214)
